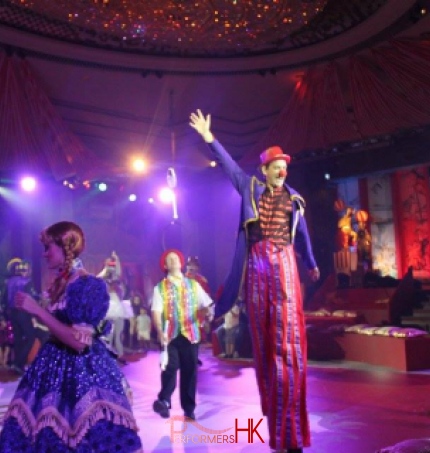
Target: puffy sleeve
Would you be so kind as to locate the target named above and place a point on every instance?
(87, 300)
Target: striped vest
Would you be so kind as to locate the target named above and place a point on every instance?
(180, 306)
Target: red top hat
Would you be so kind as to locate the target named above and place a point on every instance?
(273, 153)
(164, 256)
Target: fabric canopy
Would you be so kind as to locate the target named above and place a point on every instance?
(371, 95)
(33, 136)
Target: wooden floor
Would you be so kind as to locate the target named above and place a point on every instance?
(353, 408)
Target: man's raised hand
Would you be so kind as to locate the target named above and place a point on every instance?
(202, 125)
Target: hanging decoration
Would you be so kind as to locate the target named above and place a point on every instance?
(172, 182)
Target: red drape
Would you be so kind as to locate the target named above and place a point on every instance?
(412, 212)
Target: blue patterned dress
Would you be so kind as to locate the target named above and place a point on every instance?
(68, 401)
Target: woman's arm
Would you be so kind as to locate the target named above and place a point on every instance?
(74, 337)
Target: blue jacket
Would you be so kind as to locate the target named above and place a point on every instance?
(250, 190)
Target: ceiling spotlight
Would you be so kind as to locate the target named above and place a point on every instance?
(327, 176)
(28, 183)
(212, 164)
(150, 200)
(132, 197)
(70, 184)
(102, 187)
(139, 165)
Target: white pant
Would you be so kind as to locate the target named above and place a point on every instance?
(115, 335)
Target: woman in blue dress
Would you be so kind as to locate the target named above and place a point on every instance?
(73, 398)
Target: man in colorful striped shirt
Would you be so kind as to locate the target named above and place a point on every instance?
(272, 228)
(179, 305)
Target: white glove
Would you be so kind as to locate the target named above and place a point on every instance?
(164, 359)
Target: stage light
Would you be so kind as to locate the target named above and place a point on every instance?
(102, 187)
(86, 184)
(327, 176)
(28, 183)
(139, 165)
(132, 197)
(150, 200)
(166, 195)
(213, 164)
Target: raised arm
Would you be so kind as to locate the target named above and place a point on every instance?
(202, 125)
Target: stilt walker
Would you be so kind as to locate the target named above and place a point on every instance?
(265, 273)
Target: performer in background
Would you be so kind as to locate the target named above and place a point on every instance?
(143, 330)
(272, 228)
(6, 340)
(112, 273)
(73, 397)
(183, 303)
(136, 304)
(193, 271)
(22, 325)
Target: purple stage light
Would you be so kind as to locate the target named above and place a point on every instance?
(166, 195)
(28, 183)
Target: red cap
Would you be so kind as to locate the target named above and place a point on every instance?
(164, 256)
(273, 153)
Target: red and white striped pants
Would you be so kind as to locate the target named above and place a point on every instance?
(277, 326)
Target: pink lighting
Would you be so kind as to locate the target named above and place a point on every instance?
(28, 183)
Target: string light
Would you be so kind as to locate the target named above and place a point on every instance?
(178, 26)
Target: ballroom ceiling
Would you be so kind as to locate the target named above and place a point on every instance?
(123, 76)
(196, 28)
